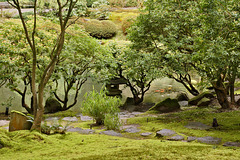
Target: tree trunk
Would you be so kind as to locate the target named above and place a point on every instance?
(221, 94)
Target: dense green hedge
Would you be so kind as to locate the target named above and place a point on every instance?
(101, 29)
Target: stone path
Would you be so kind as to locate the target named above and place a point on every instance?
(4, 122)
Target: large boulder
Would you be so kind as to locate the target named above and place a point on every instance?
(182, 97)
(52, 106)
(196, 99)
(19, 121)
(204, 102)
(167, 105)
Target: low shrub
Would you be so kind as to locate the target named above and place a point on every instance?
(112, 121)
(102, 108)
(101, 29)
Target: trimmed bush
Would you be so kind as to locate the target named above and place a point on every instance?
(98, 105)
(101, 29)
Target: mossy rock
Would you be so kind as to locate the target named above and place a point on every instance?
(52, 106)
(196, 99)
(167, 105)
(19, 121)
(182, 97)
(204, 102)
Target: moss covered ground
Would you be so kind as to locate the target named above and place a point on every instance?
(73, 146)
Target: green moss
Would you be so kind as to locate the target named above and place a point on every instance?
(196, 99)
(14, 111)
(75, 146)
(167, 105)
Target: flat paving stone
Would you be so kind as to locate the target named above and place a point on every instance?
(74, 129)
(197, 125)
(111, 133)
(231, 144)
(81, 131)
(190, 138)
(71, 119)
(209, 140)
(86, 118)
(146, 134)
(176, 138)
(165, 132)
(4, 122)
(132, 130)
(52, 118)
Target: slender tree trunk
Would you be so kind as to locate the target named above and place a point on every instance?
(221, 94)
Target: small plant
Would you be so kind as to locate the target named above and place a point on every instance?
(112, 121)
(100, 106)
(55, 128)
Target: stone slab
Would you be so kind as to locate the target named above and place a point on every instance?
(146, 134)
(165, 132)
(209, 140)
(176, 138)
(71, 119)
(111, 133)
(132, 130)
(232, 144)
(197, 125)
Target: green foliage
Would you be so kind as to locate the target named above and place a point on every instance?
(54, 128)
(102, 9)
(127, 22)
(112, 121)
(98, 105)
(101, 29)
(90, 2)
(8, 102)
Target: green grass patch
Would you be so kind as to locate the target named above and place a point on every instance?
(31, 145)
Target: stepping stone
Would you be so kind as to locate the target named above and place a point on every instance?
(4, 122)
(86, 118)
(165, 132)
(52, 118)
(209, 140)
(232, 144)
(132, 130)
(81, 131)
(190, 139)
(111, 133)
(74, 129)
(197, 125)
(146, 134)
(71, 119)
(176, 138)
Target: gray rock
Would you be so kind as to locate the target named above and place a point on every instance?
(232, 144)
(197, 125)
(86, 131)
(71, 119)
(176, 138)
(165, 132)
(52, 119)
(86, 118)
(209, 140)
(132, 130)
(183, 103)
(111, 133)
(146, 134)
(190, 139)
(74, 129)
(81, 131)
(4, 122)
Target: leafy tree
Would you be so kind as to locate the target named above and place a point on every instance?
(135, 67)
(186, 35)
(74, 67)
(54, 53)
(217, 46)
(165, 30)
